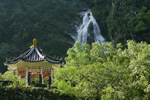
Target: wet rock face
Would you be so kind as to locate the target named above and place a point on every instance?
(89, 14)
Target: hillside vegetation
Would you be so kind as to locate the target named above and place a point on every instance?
(51, 22)
(106, 73)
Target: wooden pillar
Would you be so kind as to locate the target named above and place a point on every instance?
(49, 82)
(17, 72)
(27, 77)
(41, 72)
(51, 77)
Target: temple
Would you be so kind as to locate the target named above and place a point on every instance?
(34, 64)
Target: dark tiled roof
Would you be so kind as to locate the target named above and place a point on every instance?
(34, 55)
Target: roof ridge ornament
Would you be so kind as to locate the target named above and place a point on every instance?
(35, 42)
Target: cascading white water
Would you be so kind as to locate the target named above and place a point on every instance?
(83, 33)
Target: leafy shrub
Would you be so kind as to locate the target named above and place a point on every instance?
(32, 94)
(105, 72)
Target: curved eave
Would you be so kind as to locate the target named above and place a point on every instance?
(22, 55)
(48, 60)
(23, 64)
(33, 55)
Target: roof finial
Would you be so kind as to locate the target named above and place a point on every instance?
(35, 42)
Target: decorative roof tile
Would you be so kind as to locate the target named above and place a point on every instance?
(33, 55)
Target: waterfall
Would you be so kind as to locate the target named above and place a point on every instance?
(83, 30)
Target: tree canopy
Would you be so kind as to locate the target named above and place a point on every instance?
(105, 72)
(53, 21)
(50, 21)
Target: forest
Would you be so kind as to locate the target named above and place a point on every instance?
(119, 67)
(105, 72)
(52, 22)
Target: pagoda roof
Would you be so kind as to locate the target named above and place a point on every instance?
(33, 55)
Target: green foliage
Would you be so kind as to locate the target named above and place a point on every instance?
(34, 81)
(46, 81)
(142, 20)
(50, 21)
(5, 51)
(1, 77)
(105, 72)
(12, 76)
(121, 20)
(32, 94)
